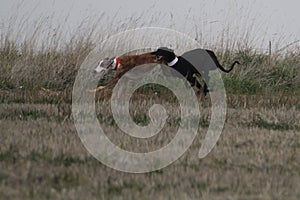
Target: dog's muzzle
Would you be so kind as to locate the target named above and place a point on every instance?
(103, 67)
(99, 69)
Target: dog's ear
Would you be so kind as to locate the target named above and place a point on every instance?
(166, 49)
(154, 53)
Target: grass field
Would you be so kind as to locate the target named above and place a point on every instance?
(257, 157)
(41, 156)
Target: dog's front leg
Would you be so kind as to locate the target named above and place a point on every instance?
(97, 89)
(113, 81)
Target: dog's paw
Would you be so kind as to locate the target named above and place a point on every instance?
(97, 89)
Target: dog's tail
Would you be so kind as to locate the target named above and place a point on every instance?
(230, 69)
(214, 57)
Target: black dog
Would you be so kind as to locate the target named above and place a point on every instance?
(180, 64)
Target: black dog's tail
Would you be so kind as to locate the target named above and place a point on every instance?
(228, 70)
(214, 57)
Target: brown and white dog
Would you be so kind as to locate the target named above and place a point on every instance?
(122, 65)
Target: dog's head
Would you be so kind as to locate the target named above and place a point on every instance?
(164, 54)
(105, 66)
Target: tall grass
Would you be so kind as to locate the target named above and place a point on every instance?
(52, 62)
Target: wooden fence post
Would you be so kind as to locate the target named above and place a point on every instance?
(270, 51)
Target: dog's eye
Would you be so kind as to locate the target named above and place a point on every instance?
(159, 57)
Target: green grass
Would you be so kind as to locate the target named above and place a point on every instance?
(242, 85)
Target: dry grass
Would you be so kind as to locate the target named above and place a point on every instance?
(42, 157)
(52, 61)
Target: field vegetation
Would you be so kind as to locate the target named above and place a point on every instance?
(41, 156)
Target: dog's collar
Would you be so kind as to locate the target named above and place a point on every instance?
(170, 64)
(116, 63)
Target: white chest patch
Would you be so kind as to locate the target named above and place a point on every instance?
(170, 64)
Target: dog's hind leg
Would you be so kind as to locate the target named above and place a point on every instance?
(198, 85)
(205, 89)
